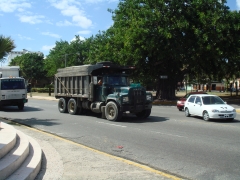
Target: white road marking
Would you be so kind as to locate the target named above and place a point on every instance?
(169, 134)
(111, 124)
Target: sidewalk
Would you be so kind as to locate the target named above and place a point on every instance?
(65, 160)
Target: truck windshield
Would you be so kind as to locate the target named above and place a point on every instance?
(117, 80)
(7, 84)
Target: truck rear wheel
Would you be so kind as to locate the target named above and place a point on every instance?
(62, 105)
(112, 112)
(144, 114)
(72, 107)
(21, 106)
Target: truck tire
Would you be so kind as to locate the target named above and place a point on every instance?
(72, 107)
(21, 106)
(144, 114)
(112, 112)
(62, 105)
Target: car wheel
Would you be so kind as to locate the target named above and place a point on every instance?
(180, 109)
(206, 116)
(187, 114)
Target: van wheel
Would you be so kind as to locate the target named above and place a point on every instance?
(144, 114)
(62, 106)
(72, 107)
(21, 106)
(112, 112)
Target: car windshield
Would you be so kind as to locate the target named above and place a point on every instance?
(209, 100)
(8, 84)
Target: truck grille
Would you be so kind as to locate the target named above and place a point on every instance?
(138, 96)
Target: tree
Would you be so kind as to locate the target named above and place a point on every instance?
(63, 53)
(6, 46)
(170, 38)
(31, 66)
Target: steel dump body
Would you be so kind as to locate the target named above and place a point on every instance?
(74, 81)
(77, 89)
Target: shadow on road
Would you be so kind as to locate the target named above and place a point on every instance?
(15, 109)
(32, 122)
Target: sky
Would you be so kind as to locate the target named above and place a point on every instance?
(36, 25)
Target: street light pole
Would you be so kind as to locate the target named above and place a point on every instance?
(65, 59)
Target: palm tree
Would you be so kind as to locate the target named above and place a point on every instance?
(6, 46)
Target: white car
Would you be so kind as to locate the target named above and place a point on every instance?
(208, 107)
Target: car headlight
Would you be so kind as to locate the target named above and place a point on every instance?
(125, 99)
(215, 110)
(148, 97)
(234, 110)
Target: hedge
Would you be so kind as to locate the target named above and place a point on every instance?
(42, 90)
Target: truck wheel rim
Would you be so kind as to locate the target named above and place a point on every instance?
(111, 112)
(71, 107)
(61, 105)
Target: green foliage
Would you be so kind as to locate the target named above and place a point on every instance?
(6, 45)
(64, 53)
(31, 66)
(199, 38)
(42, 90)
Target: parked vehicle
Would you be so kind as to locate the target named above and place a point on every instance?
(77, 89)
(181, 101)
(13, 90)
(208, 107)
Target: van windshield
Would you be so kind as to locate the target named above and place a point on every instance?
(8, 84)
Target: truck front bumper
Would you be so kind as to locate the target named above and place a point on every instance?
(135, 108)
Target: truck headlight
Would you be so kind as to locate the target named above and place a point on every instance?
(125, 99)
(148, 97)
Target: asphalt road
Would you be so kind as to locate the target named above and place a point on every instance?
(167, 140)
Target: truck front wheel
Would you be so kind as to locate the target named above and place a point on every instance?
(144, 114)
(72, 107)
(112, 112)
(62, 106)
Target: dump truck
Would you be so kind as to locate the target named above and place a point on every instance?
(78, 90)
(13, 90)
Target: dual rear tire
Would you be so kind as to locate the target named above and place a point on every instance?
(69, 106)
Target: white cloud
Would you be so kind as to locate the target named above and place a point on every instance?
(72, 9)
(238, 4)
(65, 23)
(83, 32)
(13, 5)
(47, 48)
(24, 37)
(51, 34)
(31, 19)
